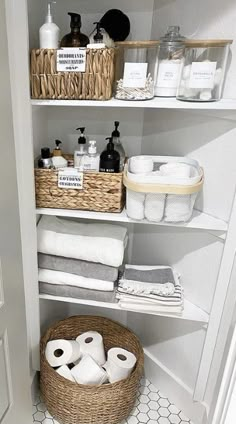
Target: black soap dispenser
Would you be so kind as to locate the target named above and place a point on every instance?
(118, 145)
(75, 38)
(110, 159)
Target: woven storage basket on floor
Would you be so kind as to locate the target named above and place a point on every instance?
(72, 403)
(102, 192)
(96, 83)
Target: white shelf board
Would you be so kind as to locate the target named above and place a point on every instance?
(199, 220)
(156, 103)
(190, 313)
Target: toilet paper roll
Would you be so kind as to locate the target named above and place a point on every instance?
(89, 372)
(62, 352)
(91, 343)
(65, 372)
(120, 364)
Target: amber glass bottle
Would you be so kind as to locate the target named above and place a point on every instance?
(75, 38)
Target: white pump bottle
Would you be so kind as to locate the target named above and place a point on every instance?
(49, 33)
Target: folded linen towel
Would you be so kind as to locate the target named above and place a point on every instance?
(63, 278)
(78, 267)
(150, 274)
(102, 243)
(141, 288)
(177, 310)
(77, 293)
(178, 208)
(173, 300)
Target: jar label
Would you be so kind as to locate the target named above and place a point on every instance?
(168, 74)
(71, 59)
(202, 75)
(135, 75)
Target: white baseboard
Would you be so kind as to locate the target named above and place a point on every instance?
(35, 386)
(176, 390)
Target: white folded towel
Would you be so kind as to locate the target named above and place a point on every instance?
(135, 204)
(101, 243)
(154, 207)
(63, 278)
(142, 307)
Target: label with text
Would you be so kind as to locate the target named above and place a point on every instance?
(70, 178)
(71, 59)
(202, 75)
(135, 75)
(168, 75)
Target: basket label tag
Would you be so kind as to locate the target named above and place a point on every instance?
(71, 59)
(70, 178)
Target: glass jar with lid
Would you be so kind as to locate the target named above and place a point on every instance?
(136, 70)
(170, 60)
(203, 74)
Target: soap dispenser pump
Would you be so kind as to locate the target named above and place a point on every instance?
(57, 151)
(118, 145)
(78, 154)
(75, 38)
(98, 37)
(49, 33)
(110, 158)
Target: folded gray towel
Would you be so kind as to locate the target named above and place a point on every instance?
(77, 293)
(160, 276)
(78, 267)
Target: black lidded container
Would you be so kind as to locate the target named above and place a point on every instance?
(110, 159)
(75, 38)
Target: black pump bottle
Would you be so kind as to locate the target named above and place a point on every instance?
(75, 38)
(110, 159)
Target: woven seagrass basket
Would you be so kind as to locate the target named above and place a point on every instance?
(72, 403)
(96, 83)
(102, 192)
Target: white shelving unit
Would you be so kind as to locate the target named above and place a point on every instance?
(184, 353)
(157, 103)
(190, 313)
(199, 220)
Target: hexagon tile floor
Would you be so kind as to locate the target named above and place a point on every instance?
(152, 407)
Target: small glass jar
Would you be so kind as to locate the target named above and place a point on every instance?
(170, 60)
(203, 73)
(136, 70)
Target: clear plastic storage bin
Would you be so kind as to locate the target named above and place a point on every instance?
(203, 73)
(136, 70)
(168, 198)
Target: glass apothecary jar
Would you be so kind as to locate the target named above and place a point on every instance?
(136, 70)
(170, 61)
(203, 73)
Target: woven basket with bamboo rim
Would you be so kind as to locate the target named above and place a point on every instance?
(72, 403)
(96, 83)
(102, 192)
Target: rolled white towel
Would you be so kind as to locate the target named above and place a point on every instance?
(176, 169)
(135, 204)
(178, 208)
(154, 207)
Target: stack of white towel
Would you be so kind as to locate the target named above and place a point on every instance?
(150, 289)
(79, 260)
